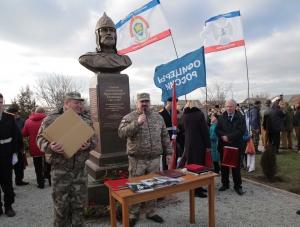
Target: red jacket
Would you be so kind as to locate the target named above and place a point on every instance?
(30, 130)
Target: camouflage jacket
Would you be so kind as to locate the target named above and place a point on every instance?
(58, 161)
(146, 141)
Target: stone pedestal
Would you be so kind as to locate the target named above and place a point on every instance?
(109, 102)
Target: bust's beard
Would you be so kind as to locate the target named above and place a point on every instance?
(108, 42)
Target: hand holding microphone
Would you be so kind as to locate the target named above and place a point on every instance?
(142, 117)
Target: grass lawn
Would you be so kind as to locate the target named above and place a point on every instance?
(288, 172)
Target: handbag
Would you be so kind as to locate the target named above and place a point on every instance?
(208, 160)
(230, 156)
(250, 147)
(25, 159)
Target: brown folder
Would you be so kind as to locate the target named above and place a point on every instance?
(70, 130)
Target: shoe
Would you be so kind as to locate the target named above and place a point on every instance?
(298, 212)
(200, 195)
(223, 188)
(258, 152)
(1, 211)
(10, 212)
(40, 186)
(202, 189)
(156, 218)
(239, 191)
(21, 183)
(283, 148)
(132, 222)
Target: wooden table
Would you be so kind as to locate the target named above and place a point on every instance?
(191, 181)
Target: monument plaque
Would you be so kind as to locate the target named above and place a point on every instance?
(112, 105)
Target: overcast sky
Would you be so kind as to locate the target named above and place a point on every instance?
(39, 38)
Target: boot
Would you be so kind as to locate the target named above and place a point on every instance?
(10, 212)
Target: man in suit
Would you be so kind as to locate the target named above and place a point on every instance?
(8, 145)
(230, 129)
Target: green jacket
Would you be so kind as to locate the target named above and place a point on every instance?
(288, 119)
(146, 141)
(58, 161)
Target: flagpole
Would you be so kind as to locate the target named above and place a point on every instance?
(247, 75)
(173, 45)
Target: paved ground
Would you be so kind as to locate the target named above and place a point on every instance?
(260, 206)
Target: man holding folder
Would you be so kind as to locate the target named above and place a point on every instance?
(69, 176)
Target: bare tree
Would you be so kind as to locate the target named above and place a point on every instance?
(265, 95)
(218, 91)
(50, 90)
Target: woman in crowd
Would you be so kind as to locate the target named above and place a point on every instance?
(30, 130)
(214, 143)
(197, 139)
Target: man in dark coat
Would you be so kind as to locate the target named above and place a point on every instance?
(197, 139)
(166, 113)
(230, 129)
(286, 135)
(8, 144)
(19, 166)
(273, 124)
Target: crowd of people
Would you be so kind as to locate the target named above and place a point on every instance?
(148, 135)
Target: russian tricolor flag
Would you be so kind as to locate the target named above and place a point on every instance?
(223, 32)
(142, 27)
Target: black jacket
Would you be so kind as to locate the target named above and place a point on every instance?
(273, 120)
(234, 130)
(8, 129)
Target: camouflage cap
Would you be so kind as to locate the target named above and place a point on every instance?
(143, 96)
(74, 95)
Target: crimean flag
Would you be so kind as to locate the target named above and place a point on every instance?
(174, 124)
(142, 27)
(223, 32)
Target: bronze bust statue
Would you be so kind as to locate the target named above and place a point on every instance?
(105, 59)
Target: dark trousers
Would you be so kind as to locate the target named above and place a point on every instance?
(42, 170)
(274, 139)
(236, 174)
(216, 167)
(6, 180)
(38, 167)
(19, 168)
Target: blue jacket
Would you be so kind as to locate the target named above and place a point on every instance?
(255, 118)
(214, 143)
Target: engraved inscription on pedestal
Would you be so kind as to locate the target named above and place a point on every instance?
(113, 105)
(93, 105)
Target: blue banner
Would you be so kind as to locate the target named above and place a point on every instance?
(188, 72)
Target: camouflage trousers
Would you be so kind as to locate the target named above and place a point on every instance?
(138, 167)
(255, 138)
(69, 189)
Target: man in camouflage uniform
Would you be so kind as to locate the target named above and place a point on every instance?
(147, 139)
(69, 176)
(255, 124)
